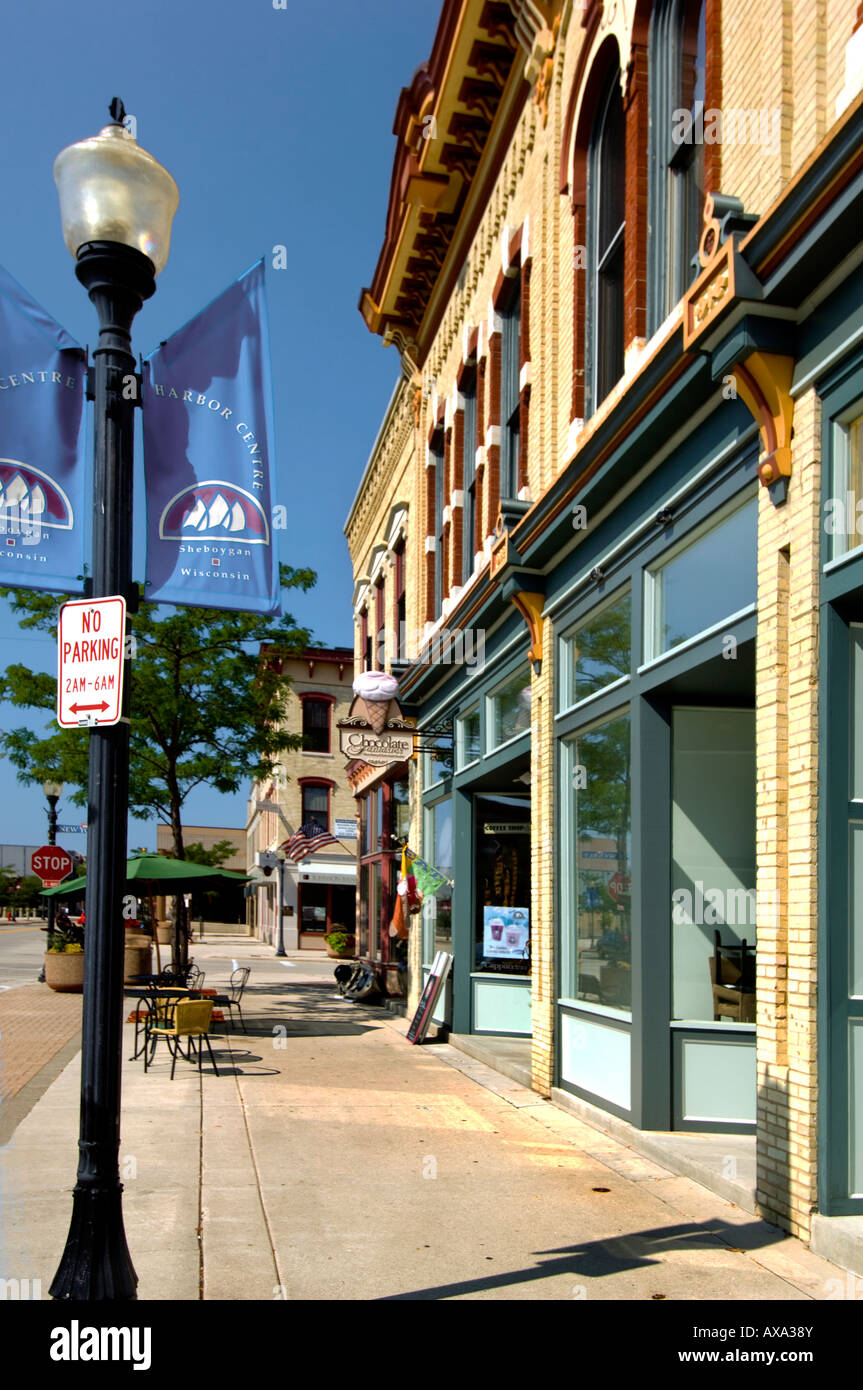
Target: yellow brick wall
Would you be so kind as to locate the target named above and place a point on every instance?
(787, 851)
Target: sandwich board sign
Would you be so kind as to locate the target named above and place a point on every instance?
(430, 995)
(91, 639)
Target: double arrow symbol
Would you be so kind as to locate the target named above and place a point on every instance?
(78, 709)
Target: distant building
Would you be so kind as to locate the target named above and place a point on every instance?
(17, 857)
(208, 836)
(318, 894)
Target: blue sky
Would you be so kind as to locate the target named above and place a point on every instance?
(277, 126)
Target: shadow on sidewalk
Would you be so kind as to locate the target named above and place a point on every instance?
(597, 1259)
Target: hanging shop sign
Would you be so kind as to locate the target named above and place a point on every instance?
(374, 731)
(506, 828)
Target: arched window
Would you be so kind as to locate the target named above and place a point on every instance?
(606, 220)
(677, 52)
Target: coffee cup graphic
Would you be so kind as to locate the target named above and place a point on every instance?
(496, 928)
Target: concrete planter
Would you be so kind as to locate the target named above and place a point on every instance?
(163, 933)
(64, 972)
(137, 956)
(395, 981)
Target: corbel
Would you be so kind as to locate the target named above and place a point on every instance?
(764, 385)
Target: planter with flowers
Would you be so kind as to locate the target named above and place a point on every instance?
(341, 945)
(64, 965)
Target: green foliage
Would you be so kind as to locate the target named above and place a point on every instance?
(340, 941)
(204, 708)
(220, 853)
(25, 896)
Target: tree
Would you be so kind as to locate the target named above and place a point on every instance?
(215, 857)
(205, 709)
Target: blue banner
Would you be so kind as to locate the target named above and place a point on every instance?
(208, 458)
(42, 470)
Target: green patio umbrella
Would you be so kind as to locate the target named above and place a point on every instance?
(147, 870)
(153, 868)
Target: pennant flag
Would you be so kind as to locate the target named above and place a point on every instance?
(208, 460)
(429, 879)
(307, 840)
(42, 469)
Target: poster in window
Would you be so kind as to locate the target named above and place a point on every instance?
(506, 933)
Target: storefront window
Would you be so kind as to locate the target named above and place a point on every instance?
(467, 738)
(600, 833)
(401, 809)
(375, 908)
(314, 913)
(713, 906)
(840, 510)
(365, 828)
(509, 708)
(704, 581)
(502, 936)
(597, 652)
(437, 907)
(363, 923)
(438, 762)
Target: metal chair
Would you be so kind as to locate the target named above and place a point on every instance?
(195, 976)
(231, 1001)
(188, 1018)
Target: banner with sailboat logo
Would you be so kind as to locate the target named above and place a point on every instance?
(208, 461)
(42, 469)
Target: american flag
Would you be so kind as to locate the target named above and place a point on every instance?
(308, 840)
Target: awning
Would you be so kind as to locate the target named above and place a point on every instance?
(326, 873)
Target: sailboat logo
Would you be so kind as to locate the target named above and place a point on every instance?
(30, 500)
(215, 509)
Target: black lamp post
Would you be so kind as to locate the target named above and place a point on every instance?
(53, 791)
(116, 203)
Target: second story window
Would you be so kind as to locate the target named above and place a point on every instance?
(677, 60)
(316, 804)
(468, 534)
(439, 504)
(400, 606)
(316, 726)
(606, 226)
(380, 653)
(509, 401)
(365, 641)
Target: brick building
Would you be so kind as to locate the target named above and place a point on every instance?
(614, 497)
(317, 894)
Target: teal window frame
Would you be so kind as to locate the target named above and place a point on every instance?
(654, 570)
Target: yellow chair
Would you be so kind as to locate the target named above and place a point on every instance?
(188, 1018)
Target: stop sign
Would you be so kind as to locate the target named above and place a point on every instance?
(52, 864)
(619, 886)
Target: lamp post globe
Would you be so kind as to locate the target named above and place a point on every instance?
(116, 205)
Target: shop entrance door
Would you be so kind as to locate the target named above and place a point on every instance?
(713, 918)
(500, 978)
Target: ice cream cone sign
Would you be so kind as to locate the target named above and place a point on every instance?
(374, 692)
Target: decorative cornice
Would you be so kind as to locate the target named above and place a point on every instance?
(443, 126)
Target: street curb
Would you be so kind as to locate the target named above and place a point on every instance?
(16, 1108)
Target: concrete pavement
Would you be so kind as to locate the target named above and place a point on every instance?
(332, 1160)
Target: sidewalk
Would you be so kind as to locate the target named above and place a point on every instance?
(332, 1160)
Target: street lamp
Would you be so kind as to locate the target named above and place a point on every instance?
(280, 898)
(53, 791)
(116, 205)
